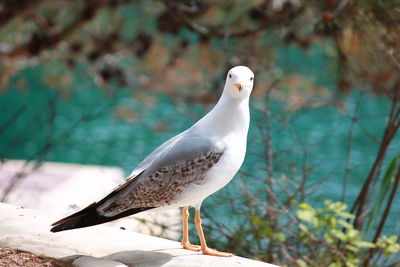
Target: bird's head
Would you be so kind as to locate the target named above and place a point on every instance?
(239, 82)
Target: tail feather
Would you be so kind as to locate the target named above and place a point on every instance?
(89, 215)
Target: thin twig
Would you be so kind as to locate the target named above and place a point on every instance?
(354, 120)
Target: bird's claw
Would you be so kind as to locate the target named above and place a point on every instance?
(213, 252)
(187, 245)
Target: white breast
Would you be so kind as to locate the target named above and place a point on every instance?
(218, 176)
(228, 123)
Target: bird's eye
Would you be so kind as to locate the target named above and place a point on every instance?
(251, 78)
(230, 76)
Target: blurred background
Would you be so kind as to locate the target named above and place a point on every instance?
(104, 82)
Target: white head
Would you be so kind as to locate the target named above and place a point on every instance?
(239, 82)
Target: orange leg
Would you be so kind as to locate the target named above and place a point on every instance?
(206, 250)
(185, 239)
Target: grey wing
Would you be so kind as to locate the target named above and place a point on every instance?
(183, 163)
(155, 154)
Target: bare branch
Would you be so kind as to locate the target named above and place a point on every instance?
(41, 41)
(17, 9)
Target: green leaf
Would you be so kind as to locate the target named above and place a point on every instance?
(335, 264)
(303, 227)
(364, 244)
(338, 234)
(346, 215)
(332, 222)
(256, 220)
(305, 206)
(345, 224)
(352, 233)
(352, 248)
(281, 237)
(301, 263)
(308, 215)
(389, 245)
(385, 187)
(328, 238)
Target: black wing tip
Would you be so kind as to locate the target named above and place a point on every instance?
(58, 222)
(66, 224)
(70, 225)
(89, 217)
(56, 228)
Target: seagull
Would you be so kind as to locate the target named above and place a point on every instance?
(185, 169)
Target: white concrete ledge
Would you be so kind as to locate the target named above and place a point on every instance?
(99, 246)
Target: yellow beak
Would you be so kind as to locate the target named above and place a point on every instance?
(239, 86)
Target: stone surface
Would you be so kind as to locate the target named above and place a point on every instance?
(98, 246)
(88, 261)
(62, 189)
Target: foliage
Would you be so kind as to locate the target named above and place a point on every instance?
(389, 245)
(342, 243)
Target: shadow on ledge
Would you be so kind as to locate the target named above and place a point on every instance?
(140, 257)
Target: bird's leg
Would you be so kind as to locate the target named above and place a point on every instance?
(185, 239)
(206, 250)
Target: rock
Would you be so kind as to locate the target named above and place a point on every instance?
(62, 189)
(29, 230)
